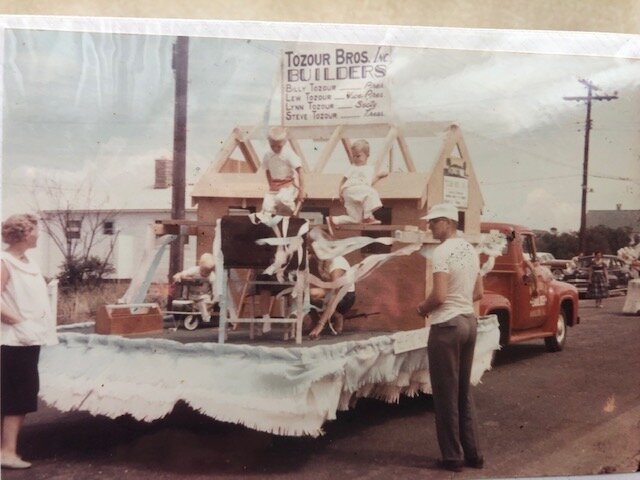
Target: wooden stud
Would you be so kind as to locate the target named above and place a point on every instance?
(406, 154)
(243, 293)
(346, 143)
(226, 151)
(250, 155)
(449, 142)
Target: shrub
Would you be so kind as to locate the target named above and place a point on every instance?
(86, 272)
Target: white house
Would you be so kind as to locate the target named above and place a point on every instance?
(122, 223)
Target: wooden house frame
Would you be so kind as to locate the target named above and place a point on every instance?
(235, 180)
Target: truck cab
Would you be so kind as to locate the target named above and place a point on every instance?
(529, 303)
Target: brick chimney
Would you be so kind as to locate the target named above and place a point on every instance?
(164, 173)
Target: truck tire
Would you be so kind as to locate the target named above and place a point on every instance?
(557, 341)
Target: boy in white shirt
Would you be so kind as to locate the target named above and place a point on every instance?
(281, 167)
(356, 189)
(284, 197)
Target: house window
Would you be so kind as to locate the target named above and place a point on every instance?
(73, 229)
(108, 227)
(527, 246)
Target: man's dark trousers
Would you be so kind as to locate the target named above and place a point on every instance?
(450, 350)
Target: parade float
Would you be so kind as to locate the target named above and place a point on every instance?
(281, 382)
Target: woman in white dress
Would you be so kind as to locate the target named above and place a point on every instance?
(27, 323)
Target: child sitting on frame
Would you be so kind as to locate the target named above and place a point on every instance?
(356, 190)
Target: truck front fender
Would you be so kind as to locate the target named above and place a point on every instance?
(564, 296)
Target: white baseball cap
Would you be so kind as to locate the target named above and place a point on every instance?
(442, 210)
(277, 134)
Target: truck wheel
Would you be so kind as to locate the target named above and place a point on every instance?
(191, 322)
(556, 343)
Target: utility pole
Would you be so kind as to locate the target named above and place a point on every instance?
(180, 65)
(585, 164)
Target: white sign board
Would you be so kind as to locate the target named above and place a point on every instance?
(456, 191)
(335, 84)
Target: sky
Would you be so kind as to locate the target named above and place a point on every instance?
(97, 108)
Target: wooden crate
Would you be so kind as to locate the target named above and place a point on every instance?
(129, 319)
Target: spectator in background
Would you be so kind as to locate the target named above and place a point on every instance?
(27, 323)
(598, 279)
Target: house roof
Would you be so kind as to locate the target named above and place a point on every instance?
(615, 219)
(123, 198)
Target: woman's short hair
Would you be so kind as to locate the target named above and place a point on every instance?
(16, 228)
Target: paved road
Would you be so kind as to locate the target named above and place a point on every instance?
(567, 413)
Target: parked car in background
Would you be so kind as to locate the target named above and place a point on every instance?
(618, 272)
(559, 268)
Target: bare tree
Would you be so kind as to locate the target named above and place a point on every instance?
(75, 220)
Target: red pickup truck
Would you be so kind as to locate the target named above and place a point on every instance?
(528, 302)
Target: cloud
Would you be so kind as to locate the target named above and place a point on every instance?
(109, 183)
(506, 93)
(543, 209)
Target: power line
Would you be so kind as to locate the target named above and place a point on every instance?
(529, 180)
(611, 177)
(522, 149)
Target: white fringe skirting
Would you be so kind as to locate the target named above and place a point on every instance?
(284, 391)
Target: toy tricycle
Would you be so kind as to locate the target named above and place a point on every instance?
(193, 305)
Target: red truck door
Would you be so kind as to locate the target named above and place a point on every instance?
(531, 298)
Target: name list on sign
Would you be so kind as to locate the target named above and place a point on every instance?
(322, 85)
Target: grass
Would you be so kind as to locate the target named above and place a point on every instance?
(82, 306)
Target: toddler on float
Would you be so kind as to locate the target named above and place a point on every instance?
(356, 190)
(205, 270)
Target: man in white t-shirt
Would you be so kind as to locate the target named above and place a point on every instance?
(284, 174)
(456, 285)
